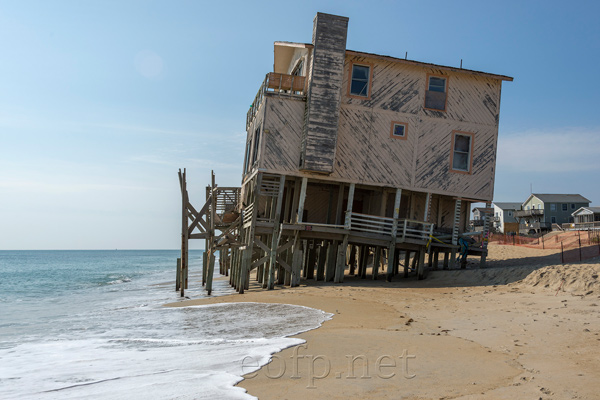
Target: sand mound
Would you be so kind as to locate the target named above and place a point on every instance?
(578, 279)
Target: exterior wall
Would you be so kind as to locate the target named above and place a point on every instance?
(562, 217)
(283, 129)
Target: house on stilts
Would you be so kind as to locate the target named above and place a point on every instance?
(352, 156)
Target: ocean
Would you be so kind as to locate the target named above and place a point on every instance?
(91, 325)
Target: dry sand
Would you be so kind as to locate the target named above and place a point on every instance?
(527, 327)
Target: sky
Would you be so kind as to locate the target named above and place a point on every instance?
(101, 102)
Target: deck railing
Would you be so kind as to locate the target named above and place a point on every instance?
(276, 83)
(403, 229)
(370, 223)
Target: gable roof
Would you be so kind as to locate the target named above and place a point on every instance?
(558, 198)
(591, 210)
(508, 206)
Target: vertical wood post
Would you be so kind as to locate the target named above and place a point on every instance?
(178, 275)
(331, 260)
(376, 260)
(212, 224)
(349, 206)
(341, 261)
(321, 261)
(392, 246)
(184, 230)
(455, 226)
(276, 233)
(486, 236)
(301, 200)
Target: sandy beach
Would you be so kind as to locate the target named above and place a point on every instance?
(526, 327)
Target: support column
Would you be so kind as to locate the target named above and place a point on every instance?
(486, 236)
(456, 224)
(276, 234)
(321, 262)
(331, 259)
(301, 200)
(376, 260)
(392, 246)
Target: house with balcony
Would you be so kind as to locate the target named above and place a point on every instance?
(351, 155)
(504, 217)
(540, 212)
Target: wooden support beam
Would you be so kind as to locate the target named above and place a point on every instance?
(421, 267)
(211, 260)
(301, 200)
(376, 261)
(296, 260)
(341, 261)
(310, 263)
(349, 206)
(364, 255)
(276, 232)
(406, 263)
(321, 261)
(331, 258)
(184, 231)
(392, 246)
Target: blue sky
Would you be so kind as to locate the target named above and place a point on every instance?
(102, 101)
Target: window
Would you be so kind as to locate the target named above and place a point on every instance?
(572, 206)
(564, 207)
(256, 145)
(360, 80)
(553, 220)
(435, 96)
(510, 213)
(461, 156)
(553, 207)
(398, 130)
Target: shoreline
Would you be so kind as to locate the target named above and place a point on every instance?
(474, 333)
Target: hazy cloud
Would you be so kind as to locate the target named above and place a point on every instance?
(567, 150)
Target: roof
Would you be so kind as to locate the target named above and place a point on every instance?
(280, 45)
(508, 206)
(424, 64)
(591, 210)
(559, 198)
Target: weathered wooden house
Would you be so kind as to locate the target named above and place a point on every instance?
(351, 154)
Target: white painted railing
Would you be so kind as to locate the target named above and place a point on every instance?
(369, 223)
(403, 229)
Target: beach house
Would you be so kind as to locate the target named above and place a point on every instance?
(353, 157)
(540, 211)
(504, 217)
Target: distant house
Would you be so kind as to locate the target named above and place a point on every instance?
(540, 211)
(586, 218)
(504, 217)
(479, 214)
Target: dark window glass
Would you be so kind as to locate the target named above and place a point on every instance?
(399, 130)
(437, 84)
(360, 80)
(462, 153)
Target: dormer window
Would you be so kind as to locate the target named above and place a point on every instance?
(360, 81)
(435, 96)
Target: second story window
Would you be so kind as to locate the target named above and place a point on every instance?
(360, 81)
(435, 96)
(462, 152)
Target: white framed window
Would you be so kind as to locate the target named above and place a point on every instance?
(360, 80)
(398, 130)
(572, 206)
(553, 207)
(564, 207)
(462, 152)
